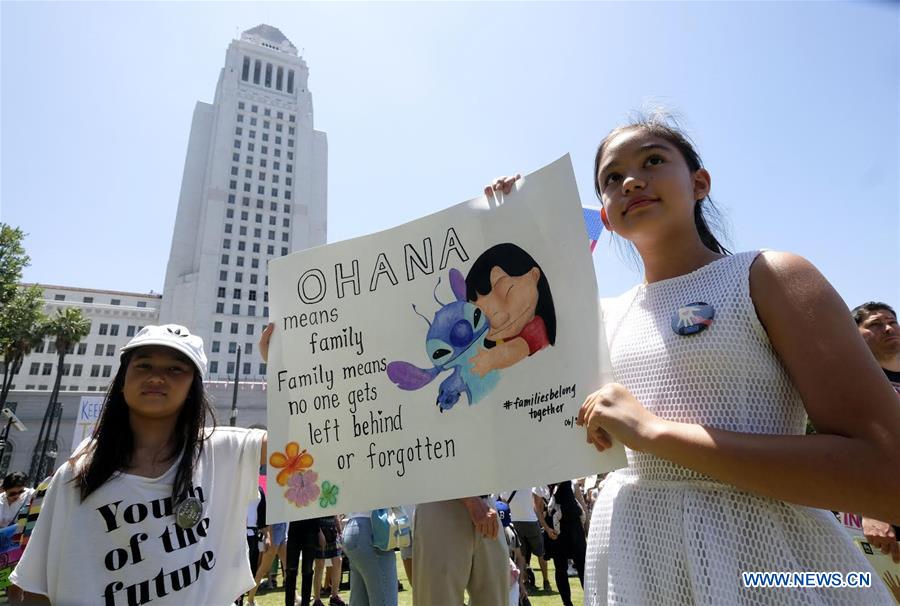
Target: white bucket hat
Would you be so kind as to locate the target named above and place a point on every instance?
(175, 336)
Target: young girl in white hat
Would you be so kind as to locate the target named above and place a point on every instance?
(152, 507)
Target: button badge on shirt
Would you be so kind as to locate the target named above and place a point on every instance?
(188, 512)
(692, 318)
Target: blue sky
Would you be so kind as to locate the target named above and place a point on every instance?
(794, 107)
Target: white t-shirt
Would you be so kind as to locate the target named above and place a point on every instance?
(253, 514)
(8, 512)
(121, 545)
(521, 507)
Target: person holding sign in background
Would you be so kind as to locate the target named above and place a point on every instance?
(153, 506)
(719, 359)
(877, 325)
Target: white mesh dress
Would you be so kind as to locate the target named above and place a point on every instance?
(663, 534)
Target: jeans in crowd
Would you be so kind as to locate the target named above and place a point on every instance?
(373, 573)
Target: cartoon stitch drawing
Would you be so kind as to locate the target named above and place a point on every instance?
(455, 335)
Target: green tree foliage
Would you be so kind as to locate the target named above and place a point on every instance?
(21, 308)
(69, 327)
(12, 261)
(22, 326)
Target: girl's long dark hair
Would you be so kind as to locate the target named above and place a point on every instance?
(112, 445)
(662, 125)
(515, 262)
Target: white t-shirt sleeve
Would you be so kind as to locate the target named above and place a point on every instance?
(245, 445)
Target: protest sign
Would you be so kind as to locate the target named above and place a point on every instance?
(444, 358)
(886, 569)
(88, 415)
(10, 553)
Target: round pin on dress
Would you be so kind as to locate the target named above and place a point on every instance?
(188, 512)
(693, 318)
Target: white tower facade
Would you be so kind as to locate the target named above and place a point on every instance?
(254, 188)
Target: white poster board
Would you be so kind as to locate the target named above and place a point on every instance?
(88, 414)
(444, 358)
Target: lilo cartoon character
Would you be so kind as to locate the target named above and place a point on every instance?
(454, 337)
(508, 285)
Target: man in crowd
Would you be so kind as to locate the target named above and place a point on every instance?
(877, 324)
(458, 546)
(522, 509)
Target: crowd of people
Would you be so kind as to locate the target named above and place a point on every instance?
(720, 359)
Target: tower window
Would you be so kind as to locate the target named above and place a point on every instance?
(245, 72)
(257, 66)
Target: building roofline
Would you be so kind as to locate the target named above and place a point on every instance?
(94, 290)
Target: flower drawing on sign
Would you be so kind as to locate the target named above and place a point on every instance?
(302, 488)
(290, 462)
(329, 494)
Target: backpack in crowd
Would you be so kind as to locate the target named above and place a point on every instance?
(390, 529)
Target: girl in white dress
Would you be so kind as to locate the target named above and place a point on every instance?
(719, 359)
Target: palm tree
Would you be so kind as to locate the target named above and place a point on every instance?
(22, 326)
(69, 326)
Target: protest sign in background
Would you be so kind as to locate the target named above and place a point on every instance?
(886, 569)
(444, 358)
(88, 415)
(10, 553)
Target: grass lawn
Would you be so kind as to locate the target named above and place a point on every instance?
(539, 598)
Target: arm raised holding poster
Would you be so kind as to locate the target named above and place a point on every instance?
(436, 350)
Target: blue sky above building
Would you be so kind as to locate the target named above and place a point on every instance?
(794, 107)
